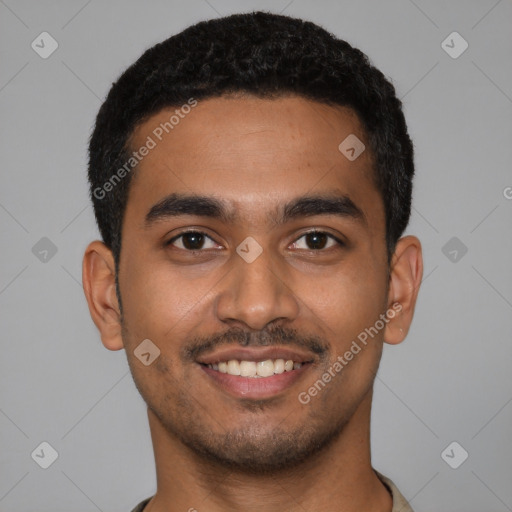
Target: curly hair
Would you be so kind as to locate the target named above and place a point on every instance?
(266, 55)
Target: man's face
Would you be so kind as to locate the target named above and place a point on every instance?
(212, 297)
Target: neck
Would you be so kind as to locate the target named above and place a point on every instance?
(340, 478)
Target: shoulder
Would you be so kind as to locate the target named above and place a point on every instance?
(141, 505)
(399, 502)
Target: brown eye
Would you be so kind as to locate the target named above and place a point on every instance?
(317, 241)
(192, 241)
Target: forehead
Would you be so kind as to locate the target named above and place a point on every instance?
(251, 153)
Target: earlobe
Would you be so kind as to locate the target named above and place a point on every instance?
(98, 277)
(404, 284)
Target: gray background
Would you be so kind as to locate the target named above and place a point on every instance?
(449, 381)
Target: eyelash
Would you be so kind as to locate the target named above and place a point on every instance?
(312, 232)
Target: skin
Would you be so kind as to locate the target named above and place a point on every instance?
(214, 451)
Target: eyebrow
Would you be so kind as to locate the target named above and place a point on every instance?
(175, 205)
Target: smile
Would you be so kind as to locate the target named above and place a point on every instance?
(255, 369)
(255, 372)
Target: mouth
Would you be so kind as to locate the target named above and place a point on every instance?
(255, 373)
(255, 369)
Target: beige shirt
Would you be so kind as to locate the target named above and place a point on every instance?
(400, 504)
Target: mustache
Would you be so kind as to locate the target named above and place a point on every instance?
(268, 337)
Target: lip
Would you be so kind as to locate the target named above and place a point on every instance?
(247, 387)
(256, 354)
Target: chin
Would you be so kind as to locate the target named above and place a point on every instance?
(260, 450)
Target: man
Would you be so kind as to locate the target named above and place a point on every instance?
(251, 179)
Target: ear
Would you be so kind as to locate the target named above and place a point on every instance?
(98, 278)
(404, 283)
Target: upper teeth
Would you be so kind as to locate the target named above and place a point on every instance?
(255, 369)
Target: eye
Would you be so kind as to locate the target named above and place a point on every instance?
(192, 241)
(317, 240)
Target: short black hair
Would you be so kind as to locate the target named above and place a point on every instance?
(266, 55)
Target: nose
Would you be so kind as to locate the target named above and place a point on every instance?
(257, 293)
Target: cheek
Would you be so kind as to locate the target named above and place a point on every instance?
(162, 303)
(347, 311)
(161, 383)
(349, 302)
